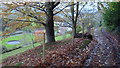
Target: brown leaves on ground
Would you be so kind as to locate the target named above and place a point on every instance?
(56, 54)
(71, 55)
(27, 58)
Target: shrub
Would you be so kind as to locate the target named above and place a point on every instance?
(78, 28)
(112, 17)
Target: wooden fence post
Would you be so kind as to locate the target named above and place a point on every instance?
(72, 37)
(44, 48)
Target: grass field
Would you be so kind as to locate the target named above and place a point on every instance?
(22, 38)
(28, 36)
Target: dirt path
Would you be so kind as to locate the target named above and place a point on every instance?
(105, 52)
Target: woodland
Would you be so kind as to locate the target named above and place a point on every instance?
(59, 34)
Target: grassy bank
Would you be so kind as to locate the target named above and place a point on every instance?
(21, 38)
(5, 55)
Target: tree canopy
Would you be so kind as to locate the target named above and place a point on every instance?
(112, 17)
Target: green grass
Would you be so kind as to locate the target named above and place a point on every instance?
(84, 43)
(100, 28)
(18, 64)
(22, 38)
(28, 36)
(0, 32)
(25, 38)
(62, 37)
(5, 55)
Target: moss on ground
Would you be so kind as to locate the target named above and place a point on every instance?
(84, 43)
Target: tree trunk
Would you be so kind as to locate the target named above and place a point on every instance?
(74, 29)
(49, 24)
(74, 18)
(50, 29)
(73, 22)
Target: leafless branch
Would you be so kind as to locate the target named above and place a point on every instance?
(68, 16)
(64, 8)
(39, 8)
(66, 26)
(55, 4)
(82, 8)
(77, 13)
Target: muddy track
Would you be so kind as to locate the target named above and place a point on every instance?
(105, 52)
(114, 43)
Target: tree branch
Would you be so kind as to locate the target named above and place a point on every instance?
(63, 8)
(82, 8)
(28, 21)
(25, 13)
(68, 16)
(39, 8)
(77, 13)
(55, 4)
(66, 26)
(102, 5)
